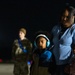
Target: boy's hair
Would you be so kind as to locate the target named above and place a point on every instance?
(23, 30)
(44, 34)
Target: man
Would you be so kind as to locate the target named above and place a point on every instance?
(21, 53)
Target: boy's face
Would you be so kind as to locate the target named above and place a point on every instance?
(41, 43)
(21, 34)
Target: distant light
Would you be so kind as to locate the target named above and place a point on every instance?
(1, 60)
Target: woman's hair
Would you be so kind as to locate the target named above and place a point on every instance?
(70, 9)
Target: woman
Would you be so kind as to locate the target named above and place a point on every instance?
(64, 39)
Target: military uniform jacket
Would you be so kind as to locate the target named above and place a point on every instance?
(17, 52)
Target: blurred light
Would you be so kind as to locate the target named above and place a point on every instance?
(1, 60)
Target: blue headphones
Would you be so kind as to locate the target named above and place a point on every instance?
(47, 43)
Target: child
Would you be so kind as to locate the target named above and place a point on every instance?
(21, 53)
(41, 54)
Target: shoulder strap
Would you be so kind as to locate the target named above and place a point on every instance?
(21, 46)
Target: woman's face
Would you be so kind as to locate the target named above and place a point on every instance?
(66, 20)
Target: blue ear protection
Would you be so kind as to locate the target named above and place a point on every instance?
(47, 43)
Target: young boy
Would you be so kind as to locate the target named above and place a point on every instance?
(41, 54)
(21, 53)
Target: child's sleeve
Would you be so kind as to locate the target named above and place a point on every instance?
(46, 56)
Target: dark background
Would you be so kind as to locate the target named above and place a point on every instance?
(34, 15)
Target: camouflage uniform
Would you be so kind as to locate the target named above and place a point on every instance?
(20, 58)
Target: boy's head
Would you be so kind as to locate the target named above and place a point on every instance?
(22, 33)
(41, 41)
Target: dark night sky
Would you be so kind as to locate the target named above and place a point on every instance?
(34, 15)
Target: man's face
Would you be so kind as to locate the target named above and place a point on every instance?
(41, 43)
(66, 20)
(21, 34)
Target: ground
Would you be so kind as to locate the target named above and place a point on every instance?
(6, 69)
